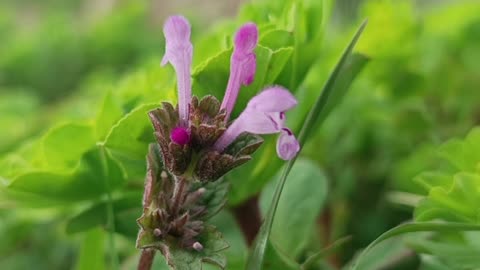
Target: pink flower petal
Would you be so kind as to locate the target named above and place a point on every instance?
(178, 51)
(287, 145)
(243, 64)
(246, 39)
(273, 99)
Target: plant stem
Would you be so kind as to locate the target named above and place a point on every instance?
(110, 213)
(249, 218)
(146, 259)
(111, 229)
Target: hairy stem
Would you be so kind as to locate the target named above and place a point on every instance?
(146, 259)
(249, 218)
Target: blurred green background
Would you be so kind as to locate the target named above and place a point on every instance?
(59, 59)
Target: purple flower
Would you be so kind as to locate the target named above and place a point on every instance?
(242, 64)
(265, 113)
(178, 51)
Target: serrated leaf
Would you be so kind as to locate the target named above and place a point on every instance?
(215, 197)
(65, 144)
(183, 259)
(128, 140)
(87, 181)
(110, 112)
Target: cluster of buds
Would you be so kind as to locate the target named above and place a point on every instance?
(197, 142)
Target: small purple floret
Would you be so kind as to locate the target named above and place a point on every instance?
(179, 135)
(265, 114)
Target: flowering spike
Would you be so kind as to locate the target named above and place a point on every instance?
(265, 114)
(178, 51)
(242, 64)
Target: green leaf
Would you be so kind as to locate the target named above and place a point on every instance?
(277, 258)
(299, 206)
(96, 215)
(182, 259)
(128, 140)
(416, 227)
(460, 202)
(215, 197)
(65, 144)
(257, 255)
(92, 252)
(455, 255)
(110, 113)
(86, 181)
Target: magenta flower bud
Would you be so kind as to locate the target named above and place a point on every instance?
(180, 136)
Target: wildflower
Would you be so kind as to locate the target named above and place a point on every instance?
(196, 142)
(200, 127)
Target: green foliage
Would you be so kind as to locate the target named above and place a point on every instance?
(75, 87)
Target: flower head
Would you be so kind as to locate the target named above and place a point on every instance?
(199, 127)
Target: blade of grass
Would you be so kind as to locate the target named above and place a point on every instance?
(416, 227)
(257, 254)
(325, 252)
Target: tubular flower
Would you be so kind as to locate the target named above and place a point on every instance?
(195, 137)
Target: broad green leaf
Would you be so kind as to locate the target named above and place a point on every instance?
(128, 140)
(92, 252)
(97, 214)
(96, 173)
(276, 39)
(299, 206)
(256, 258)
(65, 144)
(415, 227)
(110, 113)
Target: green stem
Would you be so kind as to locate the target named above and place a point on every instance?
(111, 235)
(110, 214)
